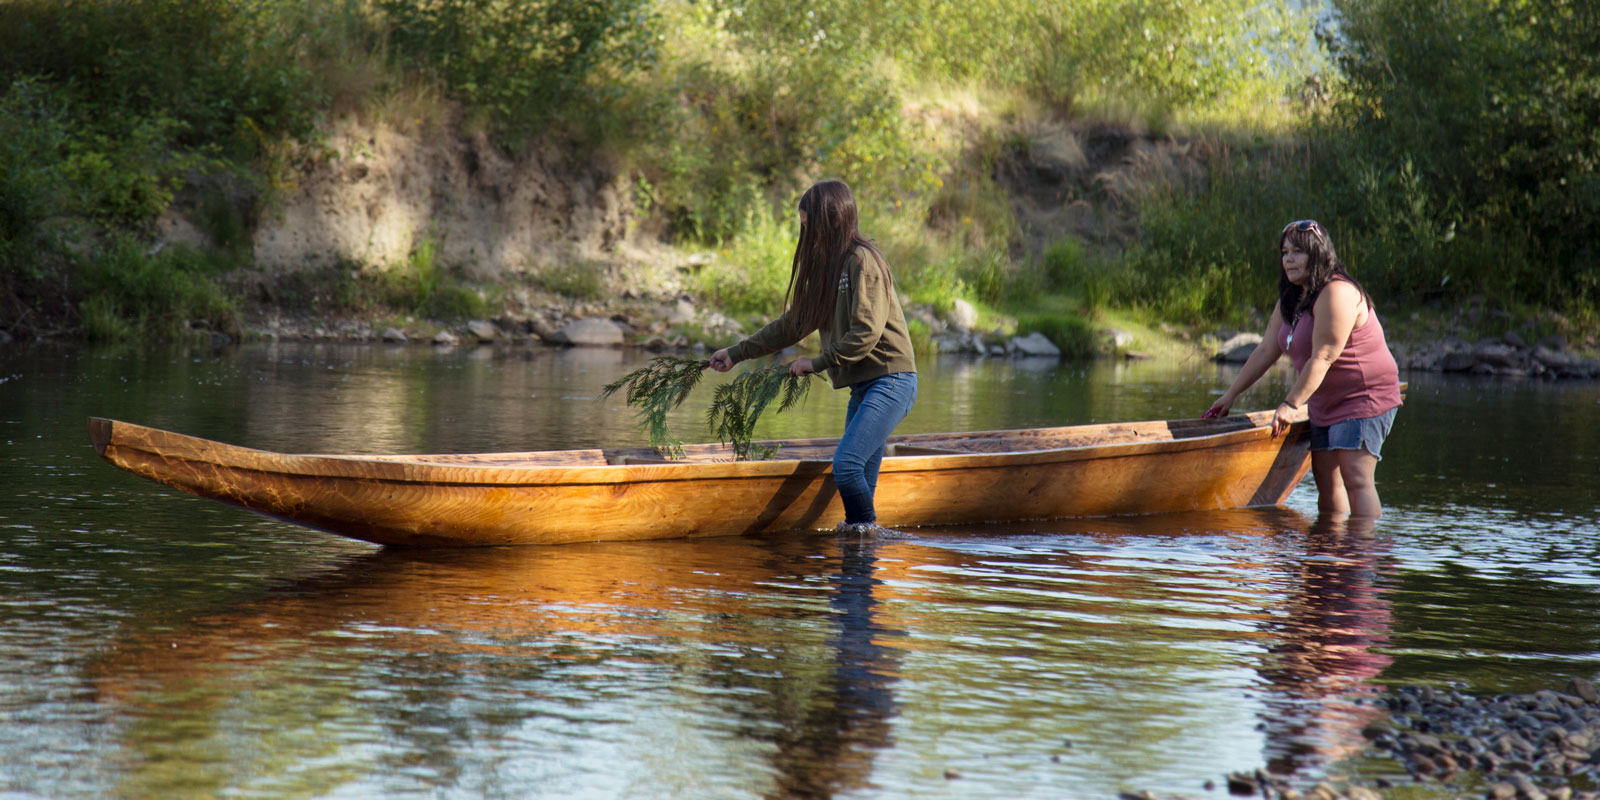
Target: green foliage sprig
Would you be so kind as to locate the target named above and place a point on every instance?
(739, 403)
(655, 390)
(665, 383)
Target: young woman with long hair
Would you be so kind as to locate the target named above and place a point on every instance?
(840, 286)
(1347, 381)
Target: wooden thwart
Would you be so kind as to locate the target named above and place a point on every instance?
(899, 449)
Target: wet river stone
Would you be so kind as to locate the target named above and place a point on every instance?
(1543, 745)
(1535, 745)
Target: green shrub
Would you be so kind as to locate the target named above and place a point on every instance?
(1477, 129)
(1074, 335)
(936, 281)
(425, 287)
(423, 272)
(224, 214)
(34, 131)
(128, 179)
(103, 320)
(573, 279)
(774, 96)
(1069, 267)
(523, 63)
(922, 341)
(750, 274)
(225, 73)
(454, 301)
(342, 287)
(125, 287)
(993, 277)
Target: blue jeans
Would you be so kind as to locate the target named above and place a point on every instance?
(876, 406)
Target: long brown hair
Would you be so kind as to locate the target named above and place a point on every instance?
(830, 233)
(1322, 267)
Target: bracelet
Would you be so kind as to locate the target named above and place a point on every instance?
(1289, 404)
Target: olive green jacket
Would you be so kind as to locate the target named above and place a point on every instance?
(867, 338)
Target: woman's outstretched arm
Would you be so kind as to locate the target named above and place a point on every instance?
(1261, 359)
(774, 336)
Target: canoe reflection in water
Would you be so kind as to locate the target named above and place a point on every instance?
(650, 665)
(790, 665)
(1328, 649)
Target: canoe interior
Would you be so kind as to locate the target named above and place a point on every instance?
(922, 444)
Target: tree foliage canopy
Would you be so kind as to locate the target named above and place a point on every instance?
(1497, 104)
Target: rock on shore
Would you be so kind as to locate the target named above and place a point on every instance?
(1508, 356)
(1543, 745)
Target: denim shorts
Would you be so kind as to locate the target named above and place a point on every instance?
(1353, 434)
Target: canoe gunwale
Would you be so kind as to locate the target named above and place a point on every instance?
(109, 435)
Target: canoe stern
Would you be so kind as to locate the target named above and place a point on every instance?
(100, 434)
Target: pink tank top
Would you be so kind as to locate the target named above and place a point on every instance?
(1363, 381)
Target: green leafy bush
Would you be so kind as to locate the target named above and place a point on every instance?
(34, 193)
(750, 274)
(224, 72)
(1470, 144)
(426, 287)
(522, 62)
(935, 279)
(126, 288)
(1074, 335)
(573, 279)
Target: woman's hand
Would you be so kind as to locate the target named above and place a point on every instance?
(801, 366)
(721, 361)
(1220, 408)
(1285, 415)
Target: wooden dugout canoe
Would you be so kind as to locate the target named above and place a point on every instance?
(565, 496)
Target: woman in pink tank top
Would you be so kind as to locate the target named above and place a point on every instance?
(1347, 382)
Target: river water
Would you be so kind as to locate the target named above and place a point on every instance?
(153, 644)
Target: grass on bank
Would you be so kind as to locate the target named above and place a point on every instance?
(131, 293)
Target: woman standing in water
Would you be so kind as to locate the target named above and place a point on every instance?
(1346, 378)
(840, 286)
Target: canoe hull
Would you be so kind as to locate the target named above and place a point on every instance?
(498, 499)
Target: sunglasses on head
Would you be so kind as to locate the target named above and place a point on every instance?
(1306, 225)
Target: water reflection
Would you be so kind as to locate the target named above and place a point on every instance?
(156, 645)
(804, 659)
(1327, 651)
(580, 638)
(832, 748)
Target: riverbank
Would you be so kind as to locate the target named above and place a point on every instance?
(166, 164)
(434, 234)
(1420, 341)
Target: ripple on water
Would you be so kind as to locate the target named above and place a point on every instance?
(158, 645)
